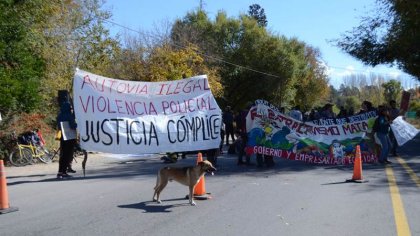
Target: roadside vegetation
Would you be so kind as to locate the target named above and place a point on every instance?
(42, 42)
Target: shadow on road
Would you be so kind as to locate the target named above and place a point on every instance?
(153, 207)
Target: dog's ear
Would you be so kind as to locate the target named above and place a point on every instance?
(201, 164)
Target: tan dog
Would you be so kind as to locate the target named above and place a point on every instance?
(185, 175)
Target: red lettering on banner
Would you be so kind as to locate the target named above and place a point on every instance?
(355, 127)
(168, 91)
(112, 85)
(105, 105)
(86, 105)
(86, 80)
(190, 105)
(177, 87)
(271, 114)
(143, 89)
(119, 107)
(320, 130)
(190, 86)
(205, 86)
(100, 101)
(121, 87)
(203, 104)
(130, 90)
(288, 121)
(301, 129)
(161, 89)
(102, 85)
(197, 85)
(109, 107)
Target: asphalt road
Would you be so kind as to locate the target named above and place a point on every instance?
(293, 198)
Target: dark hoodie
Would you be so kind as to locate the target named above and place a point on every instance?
(66, 114)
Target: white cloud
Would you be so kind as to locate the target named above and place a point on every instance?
(394, 74)
(349, 70)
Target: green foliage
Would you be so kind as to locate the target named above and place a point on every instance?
(348, 102)
(257, 12)
(311, 84)
(21, 68)
(392, 90)
(253, 62)
(75, 36)
(41, 44)
(352, 102)
(415, 107)
(391, 35)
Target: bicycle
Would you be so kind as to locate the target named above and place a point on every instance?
(25, 154)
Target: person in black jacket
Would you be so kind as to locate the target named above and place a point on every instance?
(66, 146)
(227, 118)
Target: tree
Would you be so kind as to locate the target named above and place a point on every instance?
(392, 90)
(391, 36)
(253, 62)
(334, 94)
(352, 103)
(349, 91)
(195, 28)
(257, 12)
(167, 63)
(21, 65)
(75, 36)
(161, 61)
(312, 83)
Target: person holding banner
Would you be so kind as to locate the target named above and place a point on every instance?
(366, 107)
(244, 138)
(67, 144)
(381, 129)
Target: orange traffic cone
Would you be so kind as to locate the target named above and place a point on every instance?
(4, 196)
(357, 169)
(200, 188)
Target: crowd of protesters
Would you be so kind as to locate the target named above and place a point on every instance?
(235, 129)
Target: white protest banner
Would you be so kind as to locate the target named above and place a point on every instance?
(131, 117)
(403, 131)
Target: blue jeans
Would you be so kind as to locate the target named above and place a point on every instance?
(386, 145)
